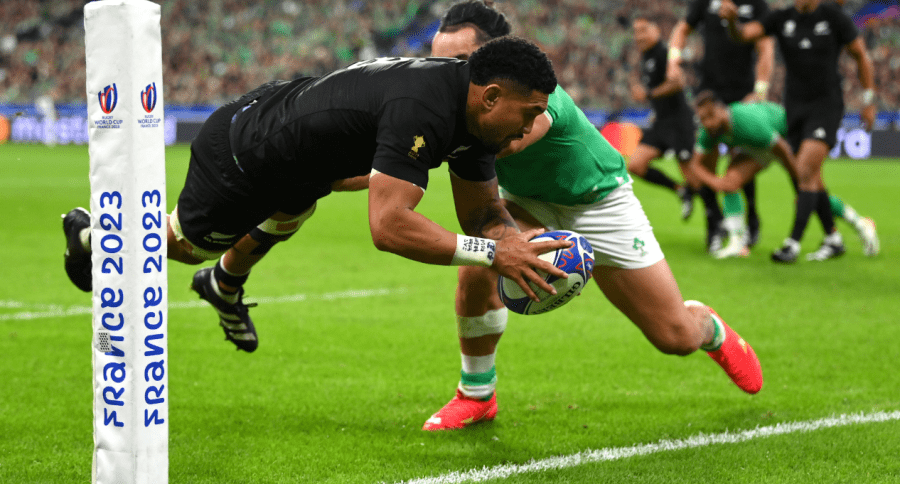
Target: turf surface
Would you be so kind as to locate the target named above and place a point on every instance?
(358, 348)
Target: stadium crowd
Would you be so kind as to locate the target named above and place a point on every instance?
(218, 49)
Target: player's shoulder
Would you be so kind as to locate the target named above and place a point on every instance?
(389, 70)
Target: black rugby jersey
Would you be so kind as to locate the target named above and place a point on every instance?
(728, 67)
(811, 45)
(400, 116)
(653, 73)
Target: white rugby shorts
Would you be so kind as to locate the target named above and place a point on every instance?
(616, 226)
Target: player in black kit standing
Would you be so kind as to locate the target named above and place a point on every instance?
(734, 71)
(260, 163)
(811, 36)
(673, 124)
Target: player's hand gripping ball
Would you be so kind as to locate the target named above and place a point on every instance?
(577, 261)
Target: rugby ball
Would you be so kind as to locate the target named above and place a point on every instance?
(577, 261)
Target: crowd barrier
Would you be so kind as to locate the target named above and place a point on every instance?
(26, 123)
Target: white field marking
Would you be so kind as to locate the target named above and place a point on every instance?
(42, 311)
(616, 453)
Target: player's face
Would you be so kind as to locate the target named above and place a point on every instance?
(713, 117)
(459, 44)
(646, 34)
(509, 115)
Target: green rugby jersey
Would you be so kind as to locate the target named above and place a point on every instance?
(572, 164)
(753, 125)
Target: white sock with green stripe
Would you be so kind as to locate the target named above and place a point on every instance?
(718, 335)
(478, 377)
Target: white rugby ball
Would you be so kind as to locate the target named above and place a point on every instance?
(577, 261)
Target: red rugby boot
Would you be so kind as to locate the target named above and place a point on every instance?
(461, 412)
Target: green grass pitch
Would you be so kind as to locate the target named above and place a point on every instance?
(358, 348)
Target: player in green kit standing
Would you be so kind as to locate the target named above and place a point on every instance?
(565, 175)
(759, 130)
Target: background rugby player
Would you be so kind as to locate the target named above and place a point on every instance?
(673, 124)
(734, 71)
(811, 37)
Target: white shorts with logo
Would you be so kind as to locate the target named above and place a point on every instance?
(616, 227)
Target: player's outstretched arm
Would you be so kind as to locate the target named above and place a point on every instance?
(481, 214)
(397, 228)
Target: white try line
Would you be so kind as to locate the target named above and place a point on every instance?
(616, 453)
(43, 311)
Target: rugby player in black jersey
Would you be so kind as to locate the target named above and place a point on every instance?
(811, 36)
(733, 70)
(673, 124)
(260, 163)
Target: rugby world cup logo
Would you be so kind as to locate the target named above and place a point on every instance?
(108, 98)
(148, 97)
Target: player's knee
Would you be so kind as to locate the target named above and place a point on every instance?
(675, 339)
(491, 322)
(272, 231)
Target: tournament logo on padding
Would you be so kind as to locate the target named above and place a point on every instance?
(148, 97)
(109, 96)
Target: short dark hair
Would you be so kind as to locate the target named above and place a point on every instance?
(646, 17)
(514, 59)
(706, 96)
(488, 22)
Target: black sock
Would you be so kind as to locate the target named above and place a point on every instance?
(752, 214)
(713, 212)
(659, 178)
(823, 209)
(230, 280)
(806, 204)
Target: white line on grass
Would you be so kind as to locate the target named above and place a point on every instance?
(616, 453)
(41, 311)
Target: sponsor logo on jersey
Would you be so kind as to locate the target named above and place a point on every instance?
(789, 27)
(148, 97)
(108, 97)
(418, 142)
(822, 28)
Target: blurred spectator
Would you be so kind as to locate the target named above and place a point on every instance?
(217, 49)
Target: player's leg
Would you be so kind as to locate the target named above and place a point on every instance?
(749, 189)
(715, 233)
(632, 272)
(814, 197)
(743, 167)
(864, 226)
(480, 322)
(639, 166)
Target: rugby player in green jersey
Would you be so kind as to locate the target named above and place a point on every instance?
(759, 129)
(565, 175)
